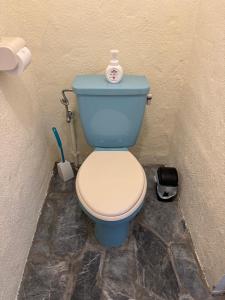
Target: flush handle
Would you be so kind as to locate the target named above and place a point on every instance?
(149, 99)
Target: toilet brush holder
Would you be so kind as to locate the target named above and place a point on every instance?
(64, 168)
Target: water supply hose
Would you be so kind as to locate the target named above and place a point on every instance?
(70, 119)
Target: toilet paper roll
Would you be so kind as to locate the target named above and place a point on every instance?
(23, 57)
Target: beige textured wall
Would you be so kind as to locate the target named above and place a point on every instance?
(199, 140)
(24, 169)
(74, 37)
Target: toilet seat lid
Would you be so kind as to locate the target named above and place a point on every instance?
(110, 183)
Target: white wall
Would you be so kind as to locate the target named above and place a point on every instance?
(198, 148)
(25, 168)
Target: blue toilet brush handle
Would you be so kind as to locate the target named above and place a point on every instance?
(59, 142)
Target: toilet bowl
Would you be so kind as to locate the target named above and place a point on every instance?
(111, 187)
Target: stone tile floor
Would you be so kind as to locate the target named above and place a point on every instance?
(66, 262)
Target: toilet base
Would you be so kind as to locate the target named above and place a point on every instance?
(112, 233)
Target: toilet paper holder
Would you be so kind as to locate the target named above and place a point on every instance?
(14, 56)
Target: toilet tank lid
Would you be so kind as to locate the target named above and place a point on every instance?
(98, 85)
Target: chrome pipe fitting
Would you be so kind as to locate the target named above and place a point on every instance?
(65, 102)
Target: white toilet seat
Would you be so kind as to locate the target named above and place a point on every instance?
(111, 185)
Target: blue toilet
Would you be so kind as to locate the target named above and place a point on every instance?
(111, 183)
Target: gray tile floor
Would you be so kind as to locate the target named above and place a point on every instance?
(66, 262)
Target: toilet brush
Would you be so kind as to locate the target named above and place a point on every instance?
(65, 170)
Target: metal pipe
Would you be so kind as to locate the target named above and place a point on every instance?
(75, 151)
(66, 103)
(70, 119)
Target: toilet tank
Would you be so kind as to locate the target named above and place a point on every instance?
(111, 114)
